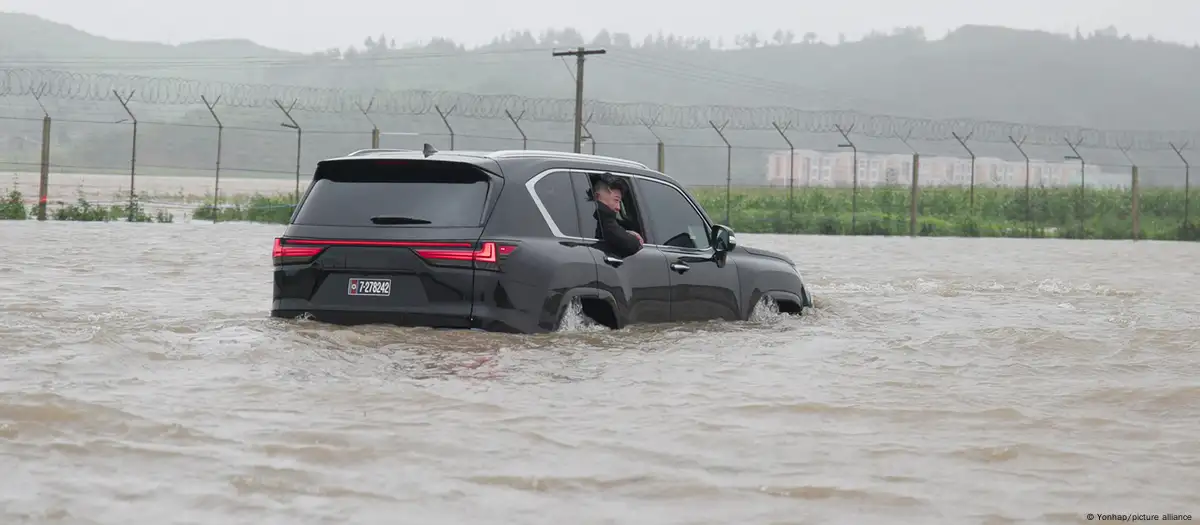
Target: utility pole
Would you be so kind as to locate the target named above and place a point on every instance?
(579, 54)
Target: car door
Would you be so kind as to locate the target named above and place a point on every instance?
(571, 264)
(703, 286)
(639, 283)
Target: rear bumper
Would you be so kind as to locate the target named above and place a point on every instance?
(488, 319)
(448, 316)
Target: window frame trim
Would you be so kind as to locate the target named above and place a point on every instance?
(695, 208)
(558, 233)
(531, 186)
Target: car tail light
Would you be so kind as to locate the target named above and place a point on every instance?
(289, 253)
(487, 257)
(464, 254)
(489, 252)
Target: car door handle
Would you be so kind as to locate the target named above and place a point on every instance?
(680, 267)
(613, 260)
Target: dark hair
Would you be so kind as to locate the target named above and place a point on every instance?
(611, 181)
(606, 180)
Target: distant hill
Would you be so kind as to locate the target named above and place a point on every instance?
(25, 36)
(1101, 80)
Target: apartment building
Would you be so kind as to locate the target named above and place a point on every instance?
(814, 168)
(836, 169)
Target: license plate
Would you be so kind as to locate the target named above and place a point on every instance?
(373, 287)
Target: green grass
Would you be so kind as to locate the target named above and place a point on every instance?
(998, 212)
(275, 209)
(1051, 212)
(885, 211)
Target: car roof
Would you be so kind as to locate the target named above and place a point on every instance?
(516, 164)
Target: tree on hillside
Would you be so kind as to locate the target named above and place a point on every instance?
(1104, 80)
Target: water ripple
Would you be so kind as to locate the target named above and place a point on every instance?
(936, 381)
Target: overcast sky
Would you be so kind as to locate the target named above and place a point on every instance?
(309, 25)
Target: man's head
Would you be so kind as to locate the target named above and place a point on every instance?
(608, 190)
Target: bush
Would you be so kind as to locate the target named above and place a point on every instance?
(12, 208)
(84, 211)
(276, 209)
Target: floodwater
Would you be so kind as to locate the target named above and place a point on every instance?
(937, 381)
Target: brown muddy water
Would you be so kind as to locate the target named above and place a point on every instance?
(937, 381)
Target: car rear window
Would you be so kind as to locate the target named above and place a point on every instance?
(421, 193)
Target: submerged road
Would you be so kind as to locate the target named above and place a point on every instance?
(937, 381)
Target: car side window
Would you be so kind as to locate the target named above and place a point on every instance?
(673, 220)
(585, 207)
(557, 195)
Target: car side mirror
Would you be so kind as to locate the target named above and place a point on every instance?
(723, 239)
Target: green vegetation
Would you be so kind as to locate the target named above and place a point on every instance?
(943, 212)
(84, 211)
(924, 75)
(255, 208)
(999, 212)
(12, 207)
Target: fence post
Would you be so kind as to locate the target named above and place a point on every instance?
(1137, 218)
(1187, 178)
(728, 166)
(132, 155)
(44, 181)
(1028, 201)
(854, 194)
(1082, 180)
(292, 124)
(791, 170)
(972, 154)
(661, 150)
(374, 128)
(216, 209)
(1133, 205)
(517, 124)
(447, 122)
(914, 193)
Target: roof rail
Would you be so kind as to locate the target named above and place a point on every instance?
(517, 153)
(369, 151)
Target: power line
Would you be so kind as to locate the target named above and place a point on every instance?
(98, 87)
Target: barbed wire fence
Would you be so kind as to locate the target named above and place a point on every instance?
(182, 120)
(99, 87)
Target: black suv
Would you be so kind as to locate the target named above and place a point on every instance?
(505, 241)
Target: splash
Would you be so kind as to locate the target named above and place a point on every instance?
(574, 320)
(766, 312)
